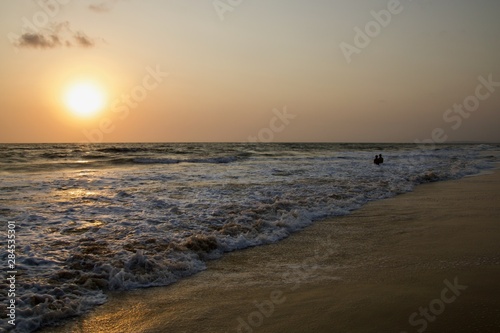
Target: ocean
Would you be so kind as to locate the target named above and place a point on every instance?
(90, 218)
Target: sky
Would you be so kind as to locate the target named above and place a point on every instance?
(249, 70)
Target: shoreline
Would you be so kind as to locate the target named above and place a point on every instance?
(372, 270)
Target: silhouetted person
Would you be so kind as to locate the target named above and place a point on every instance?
(376, 160)
(380, 159)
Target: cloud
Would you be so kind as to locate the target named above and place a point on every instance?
(57, 35)
(83, 40)
(36, 40)
(103, 7)
(100, 8)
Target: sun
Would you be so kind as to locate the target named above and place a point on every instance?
(85, 99)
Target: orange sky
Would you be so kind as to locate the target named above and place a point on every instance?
(295, 70)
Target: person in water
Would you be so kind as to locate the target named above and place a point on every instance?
(378, 159)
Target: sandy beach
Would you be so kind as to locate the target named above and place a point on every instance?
(426, 261)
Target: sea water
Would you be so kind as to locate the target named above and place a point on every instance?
(93, 218)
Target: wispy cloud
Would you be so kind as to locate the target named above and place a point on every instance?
(103, 6)
(37, 40)
(83, 40)
(100, 8)
(57, 35)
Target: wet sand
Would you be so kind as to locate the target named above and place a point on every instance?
(426, 261)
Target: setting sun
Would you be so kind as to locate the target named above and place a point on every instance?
(84, 99)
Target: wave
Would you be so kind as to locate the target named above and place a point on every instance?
(209, 160)
(151, 160)
(59, 161)
(51, 156)
(117, 150)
